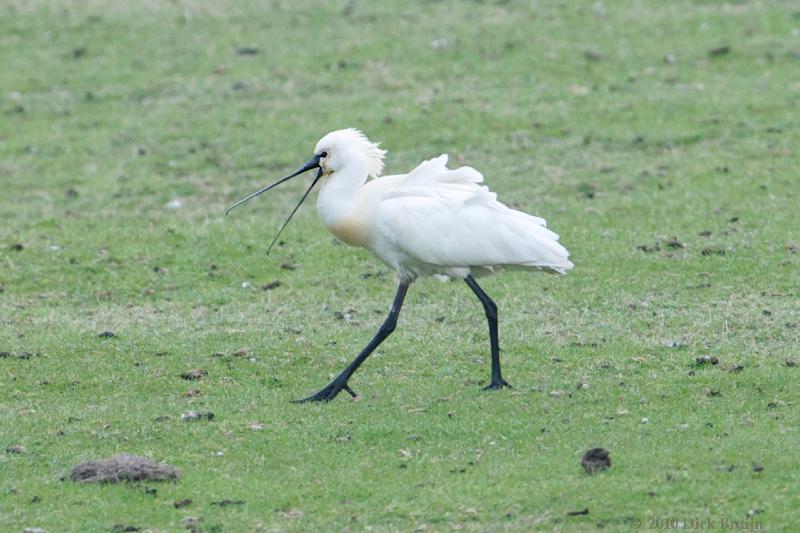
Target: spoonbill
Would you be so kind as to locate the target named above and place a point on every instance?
(433, 220)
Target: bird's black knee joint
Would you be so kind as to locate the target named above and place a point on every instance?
(388, 327)
(491, 309)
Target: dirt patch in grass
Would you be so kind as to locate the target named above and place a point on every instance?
(123, 468)
(227, 503)
(596, 460)
(193, 374)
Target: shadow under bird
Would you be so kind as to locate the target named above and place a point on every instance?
(433, 220)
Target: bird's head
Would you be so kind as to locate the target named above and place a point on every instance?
(336, 151)
(349, 147)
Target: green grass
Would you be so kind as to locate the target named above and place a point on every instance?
(110, 110)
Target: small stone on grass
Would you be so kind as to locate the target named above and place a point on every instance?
(188, 416)
(707, 359)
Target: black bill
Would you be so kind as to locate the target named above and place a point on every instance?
(314, 163)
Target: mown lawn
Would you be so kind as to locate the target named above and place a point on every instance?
(658, 138)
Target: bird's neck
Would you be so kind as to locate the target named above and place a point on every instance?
(338, 193)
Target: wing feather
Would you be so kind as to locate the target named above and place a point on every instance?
(443, 217)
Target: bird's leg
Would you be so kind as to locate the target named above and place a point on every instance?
(340, 382)
(491, 316)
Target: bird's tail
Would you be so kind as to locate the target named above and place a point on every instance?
(539, 247)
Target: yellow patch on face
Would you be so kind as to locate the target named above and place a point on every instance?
(351, 231)
(325, 170)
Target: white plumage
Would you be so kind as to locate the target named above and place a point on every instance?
(433, 220)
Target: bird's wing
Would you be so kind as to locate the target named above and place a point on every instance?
(458, 185)
(435, 171)
(453, 186)
(443, 217)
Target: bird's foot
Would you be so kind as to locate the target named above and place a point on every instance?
(330, 392)
(497, 384)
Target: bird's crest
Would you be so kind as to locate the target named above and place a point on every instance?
(353, 139)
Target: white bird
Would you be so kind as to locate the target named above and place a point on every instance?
(433, 220)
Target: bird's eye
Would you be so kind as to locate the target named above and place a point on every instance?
(323, 154)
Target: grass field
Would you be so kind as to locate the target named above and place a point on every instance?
(659, 139)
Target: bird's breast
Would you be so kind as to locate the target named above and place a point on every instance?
(350, 230)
